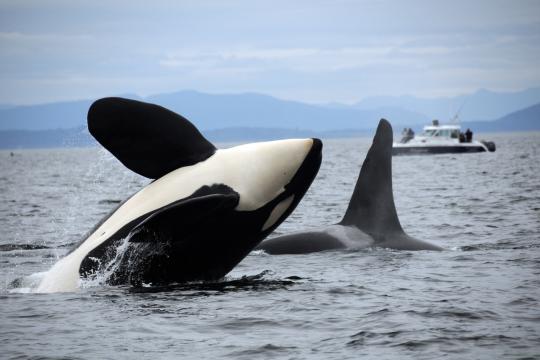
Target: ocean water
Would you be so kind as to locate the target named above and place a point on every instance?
(478, 299)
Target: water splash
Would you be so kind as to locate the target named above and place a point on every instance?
(106, 268)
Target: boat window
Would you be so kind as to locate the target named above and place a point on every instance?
(429, 133)
(455, 134)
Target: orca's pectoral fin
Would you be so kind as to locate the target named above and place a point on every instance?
(148, 139)
(178, 220)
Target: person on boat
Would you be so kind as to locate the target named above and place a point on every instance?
(407, 134)
(468, 135)
(461, 137)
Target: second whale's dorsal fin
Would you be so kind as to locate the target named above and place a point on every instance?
(372, 207)
(148, 139)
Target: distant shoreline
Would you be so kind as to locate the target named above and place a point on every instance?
(250, 117)
(80, 138)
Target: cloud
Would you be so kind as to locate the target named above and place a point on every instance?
(298, 59)
(305, 50)
(18, 37)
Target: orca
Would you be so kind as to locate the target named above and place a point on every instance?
(204, 211)
(371, 218)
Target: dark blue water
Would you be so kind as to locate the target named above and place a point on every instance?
(477, 299)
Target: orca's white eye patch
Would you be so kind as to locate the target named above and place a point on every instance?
(277, 212)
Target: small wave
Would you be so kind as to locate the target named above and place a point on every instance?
(68, 245)
(248, 322)
(245, 283)
(524, 301)
(12, 247)
(363, 337)
(455, 313)
(464, 258)
(268, 350)
(478, 340)
(471, 247)
(513, 245)
(109, 201)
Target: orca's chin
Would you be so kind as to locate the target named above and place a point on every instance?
(307, 171)
(285, 203)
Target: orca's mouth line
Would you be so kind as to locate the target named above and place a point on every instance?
(299, 184)
(310, 166)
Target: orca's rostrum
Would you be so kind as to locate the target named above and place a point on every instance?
(205, 211)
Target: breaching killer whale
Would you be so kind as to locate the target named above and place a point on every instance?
(371, 219)
(205, 211)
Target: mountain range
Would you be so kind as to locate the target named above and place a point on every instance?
(527, 119)
(478, 106)
(251, 116)
(212, 111)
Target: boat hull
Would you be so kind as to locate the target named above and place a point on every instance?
(428, 150)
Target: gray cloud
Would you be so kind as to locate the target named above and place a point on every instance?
(315, 51)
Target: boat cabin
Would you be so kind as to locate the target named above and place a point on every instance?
(437, 133)
(441, 131)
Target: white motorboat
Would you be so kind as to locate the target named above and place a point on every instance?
(440, 139)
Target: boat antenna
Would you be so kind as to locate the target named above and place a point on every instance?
(455, 119)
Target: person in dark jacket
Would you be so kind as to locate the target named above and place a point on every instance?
(468, 135)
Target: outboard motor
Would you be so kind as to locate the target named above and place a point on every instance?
(490, 145)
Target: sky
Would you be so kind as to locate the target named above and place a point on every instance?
(312, 51)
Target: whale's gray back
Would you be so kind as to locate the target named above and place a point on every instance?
(371, 207)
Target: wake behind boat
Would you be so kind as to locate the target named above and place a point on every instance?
(440, 139)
